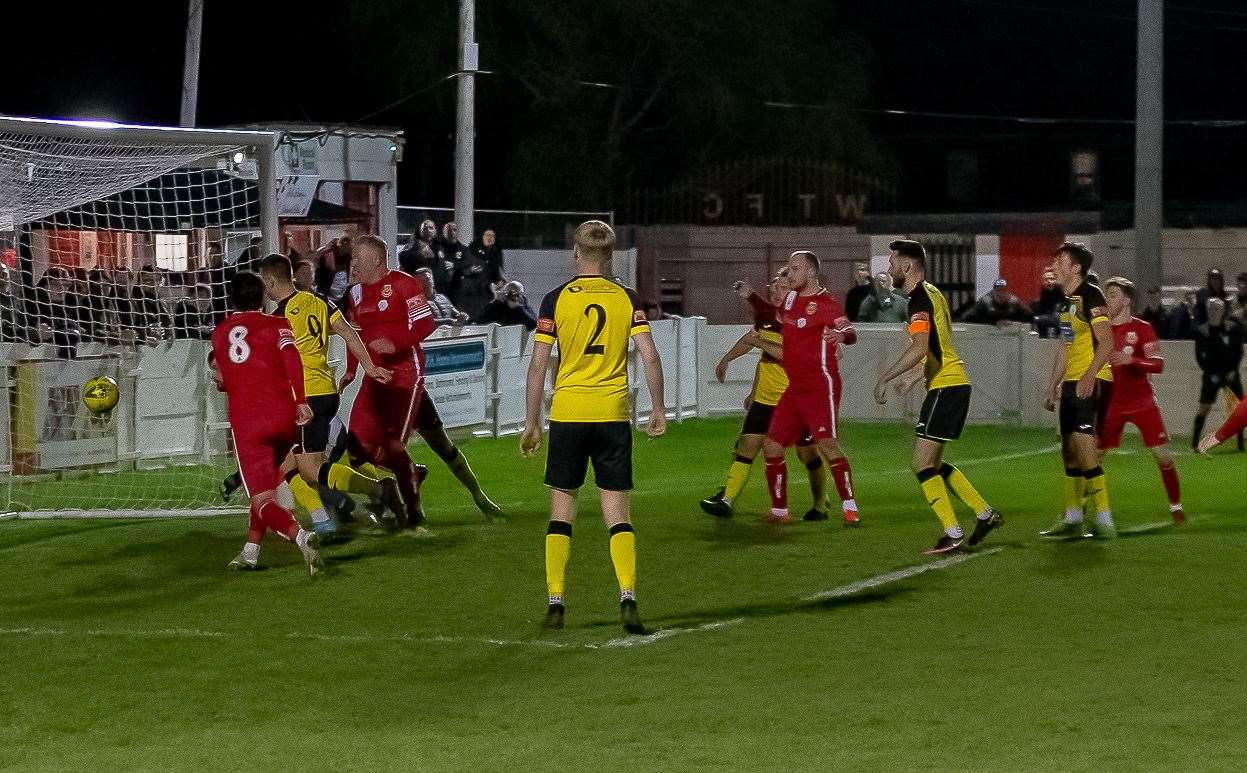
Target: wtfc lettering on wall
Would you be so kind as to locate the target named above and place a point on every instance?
(785, 192)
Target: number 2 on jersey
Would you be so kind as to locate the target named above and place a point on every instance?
(239, 350)
(592, 347)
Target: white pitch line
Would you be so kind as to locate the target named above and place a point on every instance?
(900, 574)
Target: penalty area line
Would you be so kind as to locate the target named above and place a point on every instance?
(888, 578)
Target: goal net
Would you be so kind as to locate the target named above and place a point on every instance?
(116, 247)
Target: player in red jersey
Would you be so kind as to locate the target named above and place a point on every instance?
(393, 317)
(257, 365)
(1136, 355)
(814, 326)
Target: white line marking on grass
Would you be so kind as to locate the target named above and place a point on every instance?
(900, 574)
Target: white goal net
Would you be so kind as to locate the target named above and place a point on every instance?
(116, 247)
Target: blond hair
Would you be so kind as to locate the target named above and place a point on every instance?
(595, 241)
(370, 243)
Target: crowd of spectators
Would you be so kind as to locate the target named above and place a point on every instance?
(472, 276)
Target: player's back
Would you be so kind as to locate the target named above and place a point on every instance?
(591, 318)
(246, 349)
(810, 359)
(311, 317)
(942, 366)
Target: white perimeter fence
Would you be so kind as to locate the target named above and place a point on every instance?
(171, 414)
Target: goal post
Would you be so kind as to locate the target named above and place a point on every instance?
(117, 243)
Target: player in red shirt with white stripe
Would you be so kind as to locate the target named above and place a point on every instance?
(814, 327)
(1136, 355)
(393, 317)
(256, 364)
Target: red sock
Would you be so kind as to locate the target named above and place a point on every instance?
(1169, 475)
(255, 527)
(777, 482)
(279, 519)
(842, 474)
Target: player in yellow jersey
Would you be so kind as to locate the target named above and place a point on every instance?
(947, 403)
(312, 319)
(1081, 386)
(592, 319)
(769, 383)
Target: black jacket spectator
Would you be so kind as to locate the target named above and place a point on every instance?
(57, 313)
(1215, 288)
(862, 287)
(487, 247)
(1219, 350)
(192, 317)
(1238, 306)
(475, 279)
(510, 307)
(998, 307)
(419, 256)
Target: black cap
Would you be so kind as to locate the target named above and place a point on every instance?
(909, 248)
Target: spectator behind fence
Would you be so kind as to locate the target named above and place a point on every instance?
(862, 288)
(192, 316)
(476, 279)
(487, 247)
(1214, 288)
(333, 268)
(654, 312)
(1048, 306)
(305, 275)
(509, 307)
(213, 274)
(249, 258)
(1182, 316)
(999, 307)
(103, 307)
(1219, 351)
(1238, 307)
(884, 303)
(444, 312)
(13, 326)
(57, 312)
(449, 248)
(148, 316)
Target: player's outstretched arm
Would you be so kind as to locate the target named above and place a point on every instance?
(653, 380)
(770, 347)
(534, 392)
(355, 346)
(739, 349)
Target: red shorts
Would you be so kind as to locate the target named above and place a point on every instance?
(1146, 417)
(803, 412)
(261, 452)
(384, 412)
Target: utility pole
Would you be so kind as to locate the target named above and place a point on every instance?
(465, 135)
(1149, 143)
(190, 67)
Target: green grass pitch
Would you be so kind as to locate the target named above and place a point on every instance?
(128, 644)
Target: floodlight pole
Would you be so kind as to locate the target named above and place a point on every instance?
(465, 135)
(1149, 143)
(190, 66)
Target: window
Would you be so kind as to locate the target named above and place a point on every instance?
(171, 251)
(1085, 175)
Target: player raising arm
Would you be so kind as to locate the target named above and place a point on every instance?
(393, 318)
(1136, 355)
(259, 369)
(1081, 387)
(814, 326)
(947, 402)
(591, 318)
(769, 383)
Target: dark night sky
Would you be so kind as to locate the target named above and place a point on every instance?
(267, 61)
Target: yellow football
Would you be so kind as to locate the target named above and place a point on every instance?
(100, 395)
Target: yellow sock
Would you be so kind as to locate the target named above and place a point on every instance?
(305, 495)
(558, 551)
(737, 477)
(623, 556)
(1075, 485)
(344, 478)
(963, 489)
(937, 497)
(1097, 490)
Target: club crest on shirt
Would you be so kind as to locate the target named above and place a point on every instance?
(638, 316)
(801, 322)
(1128, 350)
(387, 291)
(383, 304)
(811, 307)
(1132, 337)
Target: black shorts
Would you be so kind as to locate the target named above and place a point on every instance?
(1211, 386)
(758, 422)
(1083, 416)
(573, 444)
(944, 412)
(427, 419)
(314, 436)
